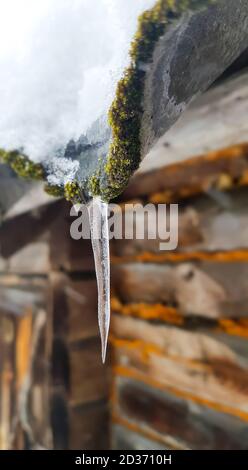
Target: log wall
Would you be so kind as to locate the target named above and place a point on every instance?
(179, 329)
(179, 322)
(62, 387)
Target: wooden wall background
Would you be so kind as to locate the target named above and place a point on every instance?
(55, 397)
(177, 376)
(180, 319)
(178, 333)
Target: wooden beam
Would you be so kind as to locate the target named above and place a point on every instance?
(216, 120)
(23, 229)
(221, 169)
(207, 289)
(175, 417)
(199, 362)
(206, 224)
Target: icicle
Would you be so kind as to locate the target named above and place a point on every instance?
(98, 215)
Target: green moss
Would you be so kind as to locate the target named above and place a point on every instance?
(53, 190)
(4, 156)
(25, 168)
(73, 192)
(22, 165)
(93, 185)
(126, 111)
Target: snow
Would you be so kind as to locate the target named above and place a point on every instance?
(60, 61)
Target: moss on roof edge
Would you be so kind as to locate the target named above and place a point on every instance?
(125, 114)
(26, 168)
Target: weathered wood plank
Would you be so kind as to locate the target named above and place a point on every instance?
(37, 381)
(32, 259)
(26, 420)
(204, 224)
(89, 427)
(19, 299)
(207, 289)
(88, 376)
(7, 378)
(79, 427)
(66, 253)
(196, 362)
(23, 303)
(25, 229)
(79, 379)
(125, 439)
(74, 304)
(215, 120)
(35, 243)
(222, 169)
(59, 419)
(31, 201)
(194, 426)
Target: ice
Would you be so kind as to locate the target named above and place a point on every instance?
(62, 170)
(98, 216)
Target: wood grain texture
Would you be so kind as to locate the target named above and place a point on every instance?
(89, 427)
(196, 362)
(125, 438)
(27, 228)
(79, 380)
(209, 223)
(88, 376)
(25, 355)
(74, 304)
(191, 425)
(179, 330)
(204, 289)
(66, 253)
(217, 119)
(7, 377)
(222, 169)
(74, 307)
(31, 259)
